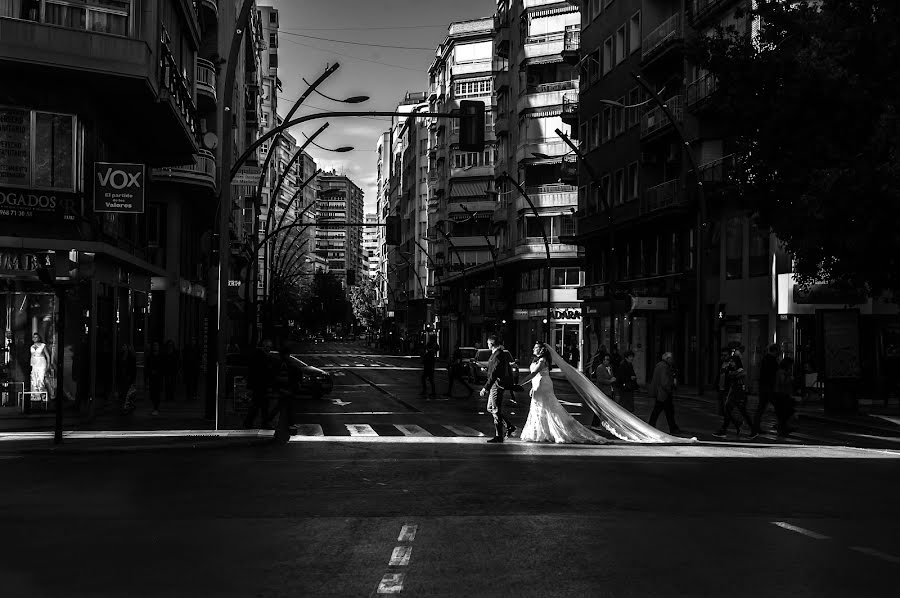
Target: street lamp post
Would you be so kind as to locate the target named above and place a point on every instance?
(546, 248)
(462, 265)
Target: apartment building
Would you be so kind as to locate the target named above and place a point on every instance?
(371, 247)
(146, 260)
(339, 200)
(382, 210)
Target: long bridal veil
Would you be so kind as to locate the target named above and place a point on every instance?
(618, 421)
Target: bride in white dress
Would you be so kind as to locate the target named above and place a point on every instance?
(548, 420)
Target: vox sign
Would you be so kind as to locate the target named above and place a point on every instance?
(119, 187)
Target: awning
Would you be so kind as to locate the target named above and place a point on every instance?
(561, 9)
(544, 112)
(481, 215)
(470, 188)
(550, 59)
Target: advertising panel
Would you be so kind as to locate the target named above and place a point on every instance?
(119, 187)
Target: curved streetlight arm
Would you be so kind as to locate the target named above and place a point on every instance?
(294, 224)
(293, 199)
(312, 87)
(546, 246)
(487, 239)
(408, 263)
(290, 259)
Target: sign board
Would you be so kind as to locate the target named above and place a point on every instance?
(247, 175)
(25, 203)
(840, 335)
(520, 314)
(119, 187)
(15, 147)
(649, 303)
(566, 314)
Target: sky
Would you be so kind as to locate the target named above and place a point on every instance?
(384, 74)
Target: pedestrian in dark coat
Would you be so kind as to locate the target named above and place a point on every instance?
(455, 372)
(662, 389)
(736, 399)
(260, 380)
(498, 370)
(626, 381)
(429, 359)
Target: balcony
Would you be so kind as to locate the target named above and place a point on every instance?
(542, 45)
(571, 46)
(485, 207)
(701, 89)
(701, 10)
(718, 171)
(661, 197)
(206, 80)
(545, 94)
(552, 147)
(501, 125)
(666, 36)
(471, 67)
(486, 170)
(203, 173)
(555, 195)
(655, 119)
(534, 246)
(570, 109)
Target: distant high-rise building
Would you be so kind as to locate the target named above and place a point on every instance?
(339, 200)
(371, 247)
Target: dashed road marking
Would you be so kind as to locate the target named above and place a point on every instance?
(361, 430)
(400, 556)
(391, 583)
(310, 430)
(408, 533)
(412, 430)
(463, 430)
(876, 553)
(800, 530)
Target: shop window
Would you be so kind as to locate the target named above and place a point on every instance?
(566, 277)
(734, 248)
(45, 139)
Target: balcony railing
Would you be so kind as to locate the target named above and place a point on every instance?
(701, 89)
(655, 118)
(669, 31)
(550, 87)
(660, 197)
(571, 41)
(570, 108)
(201, 173)
(718, 171)
(702, 8)
(85, 17)
(206, 77)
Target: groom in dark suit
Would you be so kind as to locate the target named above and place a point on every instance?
(498, 369)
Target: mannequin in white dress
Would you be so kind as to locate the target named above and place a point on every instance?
(40, 358)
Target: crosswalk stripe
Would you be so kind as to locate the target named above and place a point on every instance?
(463, 430)
(412, 430)
(361, 430)
(310, 430)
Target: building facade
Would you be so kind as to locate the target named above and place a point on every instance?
(339, 200)
(371, 247)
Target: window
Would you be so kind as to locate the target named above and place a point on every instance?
(734, 248)
(583, 135)
(633, 114)
(582, 198)
(634, 32)
(620, 187)
(633, 182)
(273, 60)
(606, 183)
(594, 67)
(595, 198)
(595, 131)
(564, 225)
(110, 17)
(566, 277)
(474, 88)
(607, 124)
(595, 8)
(273, 17)
(620, 45)
(608, 57)
(619, 116)
(674, 253)
(759, 250)
(273, 40)
(37, 149)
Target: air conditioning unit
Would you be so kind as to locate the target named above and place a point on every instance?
(648, 158)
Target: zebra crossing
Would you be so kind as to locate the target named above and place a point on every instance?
(386, 429)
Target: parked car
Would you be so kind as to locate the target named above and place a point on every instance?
(481, 362)
(315, 383)
(467, 363)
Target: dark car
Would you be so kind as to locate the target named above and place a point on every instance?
(467, 361)
(481, 361)
(315, 382)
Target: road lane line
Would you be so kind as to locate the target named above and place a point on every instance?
(408, 533)
(412, 430)
(800, 530)
(391, 583)
(463, 430)
(876, 553)
(309, 430)
(400, 556)
(361, 430)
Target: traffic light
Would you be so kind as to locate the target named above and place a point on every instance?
(351, 278)
(720, 312)
(471, 126)
(392, 230)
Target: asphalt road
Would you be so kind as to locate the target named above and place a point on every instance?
(328, 518)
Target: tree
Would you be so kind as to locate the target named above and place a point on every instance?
(364, 300)
(810, 99)
(326, 302)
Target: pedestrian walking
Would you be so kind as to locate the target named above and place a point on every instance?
(626, 381)
(768, 370)
(722, 386)
(606, 378)
(429, 357)
(455, 372)
(499, 376)
(736, 399)
(153, 375)
(170, 363)
(615, 358)
(662, 389)
(126, 376)
(260, 380)
(596, 360)
(784, 395)
(286, 386)
(190, 360)
(574, 355)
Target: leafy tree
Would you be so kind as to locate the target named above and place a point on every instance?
(326, 303)
(810, 102)
(364, 299)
